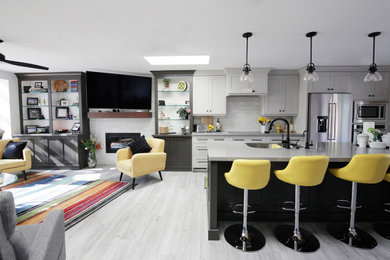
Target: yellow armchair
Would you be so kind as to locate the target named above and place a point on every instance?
(14, 165)
(142, 163)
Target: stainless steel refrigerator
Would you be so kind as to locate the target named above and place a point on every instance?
(330, 117)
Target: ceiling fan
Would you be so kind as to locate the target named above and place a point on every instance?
(18, 63)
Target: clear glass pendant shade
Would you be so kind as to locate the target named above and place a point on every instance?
(373, 76)
(246, 76)
(311, 76)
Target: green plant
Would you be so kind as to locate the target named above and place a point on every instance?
(166, 82)
(376, 133)
(183, 112)
(91, 145)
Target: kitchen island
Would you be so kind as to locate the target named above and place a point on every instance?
(319, 200)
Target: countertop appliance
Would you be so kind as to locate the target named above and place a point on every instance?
(372, 111)
(330, 117)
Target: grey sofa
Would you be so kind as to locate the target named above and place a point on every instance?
(43, 241)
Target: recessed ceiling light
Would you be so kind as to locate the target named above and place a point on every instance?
(178, 60)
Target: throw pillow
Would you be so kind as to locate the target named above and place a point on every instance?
(14, 150)
(140, 145)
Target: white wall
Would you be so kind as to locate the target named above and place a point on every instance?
(9, 104)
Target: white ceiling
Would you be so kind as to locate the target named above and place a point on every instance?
(115, 35)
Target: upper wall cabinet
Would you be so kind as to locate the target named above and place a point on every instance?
(332, 82)
(209, 96)
(259, 86)
(283, 95)
(370, 90)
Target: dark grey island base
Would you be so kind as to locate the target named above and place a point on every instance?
(319, 200)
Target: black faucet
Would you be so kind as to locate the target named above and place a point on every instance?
(287, 142)
(307, 142)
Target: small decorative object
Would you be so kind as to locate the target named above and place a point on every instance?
(42, 117)
(61, 131)
(278, 128)
(26, 89)
(377, 134)
(60, 85)
(91, 145)
(264, 121)
(76, 127)
(32, 101)
(187, 102)
(166, 83)
(211, 128)
(44, 101)
(162, 115)
(218, 126)
(183, 112)
(34, 113)
(74, 85)
(64, 103)
(182, 86)
(62, 112)
(42, 129)
(31, 129)
(164, 129)
(38, 85)
(161, 102)
(70, 117)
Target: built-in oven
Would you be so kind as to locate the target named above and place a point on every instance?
(370, 111)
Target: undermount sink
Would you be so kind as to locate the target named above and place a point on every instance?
(265, 145)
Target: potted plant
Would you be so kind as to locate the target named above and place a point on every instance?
(166, 83)
(91, 145)
(183, 112)
(377, 134)
(263, 123)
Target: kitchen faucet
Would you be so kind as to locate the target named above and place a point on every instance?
(287, 142)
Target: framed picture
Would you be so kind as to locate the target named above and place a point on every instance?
(64, 102)
(32, 101)
(62, 112)
(42, 129)
(34, 113)
(76, 127)
(31, 129)
(38, 85)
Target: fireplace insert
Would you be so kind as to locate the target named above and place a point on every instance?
(116, 141)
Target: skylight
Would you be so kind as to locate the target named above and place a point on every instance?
(178, 60)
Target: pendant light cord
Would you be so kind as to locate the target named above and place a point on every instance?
(311, 51)
(373, 50)
(246, 63)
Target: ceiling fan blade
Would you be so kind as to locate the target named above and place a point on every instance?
(23, 64)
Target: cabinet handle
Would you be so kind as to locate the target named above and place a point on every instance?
(256, 140)
(219, 139)
(238, 139)
(202, 139)
(202, 149)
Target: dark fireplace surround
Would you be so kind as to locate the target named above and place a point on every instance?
(116, 141)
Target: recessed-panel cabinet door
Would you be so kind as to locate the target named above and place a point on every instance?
(291, 95)
(202, 95)
(218, 90)
(275, 97)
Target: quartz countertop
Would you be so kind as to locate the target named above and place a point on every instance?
(244, 133)
(337, 152)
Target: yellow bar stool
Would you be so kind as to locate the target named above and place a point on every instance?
(363, 168)
(301, 171)
(383, 229)
(247, 175)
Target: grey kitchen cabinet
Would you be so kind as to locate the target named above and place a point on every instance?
(179, 153)
(370, 90)
(283, 95)
(236, 87)
(209, 95)
(199, 150)
(332, 82)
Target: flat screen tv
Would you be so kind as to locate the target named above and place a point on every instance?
(106, 90)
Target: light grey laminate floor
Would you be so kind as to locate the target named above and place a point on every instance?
(168, 220)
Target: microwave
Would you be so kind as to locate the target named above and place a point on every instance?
(370, 111)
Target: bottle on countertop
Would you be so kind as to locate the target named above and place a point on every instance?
(218, 126)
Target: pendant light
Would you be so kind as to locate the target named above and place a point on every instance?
(373, 75)
(310, 74)
(246, 69)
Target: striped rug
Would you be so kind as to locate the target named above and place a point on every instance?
(79, 196)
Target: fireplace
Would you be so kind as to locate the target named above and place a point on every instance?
(116, 141)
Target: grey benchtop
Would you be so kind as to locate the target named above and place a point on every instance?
(243, 133)
(337, 152)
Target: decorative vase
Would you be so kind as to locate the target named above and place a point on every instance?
(263, 128)
(91, 159)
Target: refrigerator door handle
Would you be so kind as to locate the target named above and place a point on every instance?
(330, 122)
(334, 115)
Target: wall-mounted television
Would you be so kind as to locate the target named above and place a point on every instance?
(107, 90)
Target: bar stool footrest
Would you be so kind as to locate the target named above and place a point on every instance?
(308, 243)
(238, 209)
(345, 204)
(387, 206)
(290, 206)
(341, 232)
(382, 229)
(255, 240)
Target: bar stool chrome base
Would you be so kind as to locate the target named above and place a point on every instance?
(360, 239)
(253, 242)
(307, 242)
(382, 229)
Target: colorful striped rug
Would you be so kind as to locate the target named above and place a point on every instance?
(79, 196)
